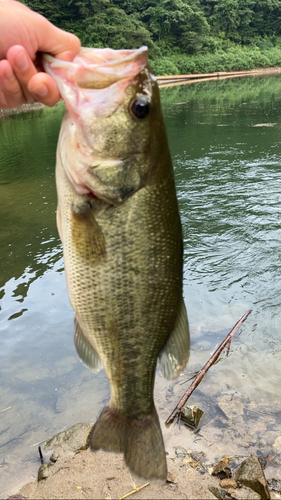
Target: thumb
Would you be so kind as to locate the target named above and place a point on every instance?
(59, 43)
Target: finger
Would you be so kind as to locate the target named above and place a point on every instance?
(3, 102)
(44, 89)
(11, 94)
(35, 85)
(23, 68)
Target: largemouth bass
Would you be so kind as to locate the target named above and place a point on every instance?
(119, 223)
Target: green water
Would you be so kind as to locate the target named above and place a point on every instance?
(225, 140)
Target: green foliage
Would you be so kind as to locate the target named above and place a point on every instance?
(184, 36)
(164, 66)
(234, 59)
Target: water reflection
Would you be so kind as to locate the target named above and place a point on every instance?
(225, 143)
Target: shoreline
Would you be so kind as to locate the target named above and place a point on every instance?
(24, 108)
(74, 472)
(163, 81)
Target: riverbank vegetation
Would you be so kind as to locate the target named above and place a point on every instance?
(184, 36)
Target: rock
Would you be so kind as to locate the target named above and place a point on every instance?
(191, 415)
(171, 478)
(250, 473)
(67, 442)
(243, 493)
(221, 469)
(44, 472)
(180, 452)
(277, 444)
(218, 492)
(228, 483)
(229, 407)
(275, 485)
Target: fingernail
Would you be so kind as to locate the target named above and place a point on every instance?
(41, 90)
(21, 61)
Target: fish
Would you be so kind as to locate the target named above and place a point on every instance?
(119, 223)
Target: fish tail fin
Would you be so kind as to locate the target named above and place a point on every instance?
(109, 432)
(139, 439)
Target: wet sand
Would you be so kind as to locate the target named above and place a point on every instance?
(103, 475)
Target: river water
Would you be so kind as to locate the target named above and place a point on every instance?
(225, 140)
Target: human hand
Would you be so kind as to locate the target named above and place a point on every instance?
(24, 34)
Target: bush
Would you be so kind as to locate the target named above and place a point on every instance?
(164, 66)
(236, 58)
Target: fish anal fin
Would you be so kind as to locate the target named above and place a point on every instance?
(85, 350)
(140, 439)
(174, 356)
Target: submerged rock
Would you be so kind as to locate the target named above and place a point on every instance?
(191, 415)
(180, 452)
(277, 444)
(228, 484)
(275, 485)
(250, 473)
(222, 469)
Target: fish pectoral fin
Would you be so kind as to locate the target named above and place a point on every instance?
(140, 439)
(174, 356)
(59, 224)
(85, 350)
(87, 237)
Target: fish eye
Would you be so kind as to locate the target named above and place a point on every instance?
(140, 107)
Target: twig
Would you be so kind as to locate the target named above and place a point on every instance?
(36, 444)
(188, 373)
(187, 380)
(176, 412)
(260, 412)
(5, 409)
(198, 461)
(41, 455)
(134, 491)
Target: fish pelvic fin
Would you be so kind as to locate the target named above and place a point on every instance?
(85, 350)
(140, 439)
(174, 356)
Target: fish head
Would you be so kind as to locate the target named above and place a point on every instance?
(113, 123)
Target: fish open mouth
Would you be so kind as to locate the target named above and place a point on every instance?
(93, 87)
(96, 78)
(98, 68)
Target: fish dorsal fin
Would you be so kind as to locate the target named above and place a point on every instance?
(85, 350)
(174, 357)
